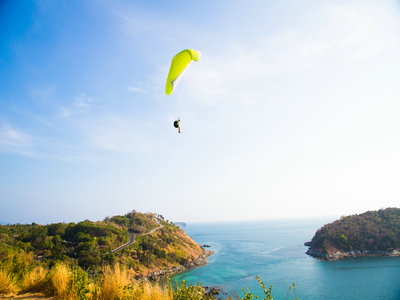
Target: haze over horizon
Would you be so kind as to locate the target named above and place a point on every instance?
(291, 112)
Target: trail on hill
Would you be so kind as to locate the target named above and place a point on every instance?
(133, 235)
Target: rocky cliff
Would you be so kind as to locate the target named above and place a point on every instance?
(374, 233)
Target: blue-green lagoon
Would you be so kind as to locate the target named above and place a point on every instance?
(275, 251)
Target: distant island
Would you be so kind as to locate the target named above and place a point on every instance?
(373, 233)
(180, 224)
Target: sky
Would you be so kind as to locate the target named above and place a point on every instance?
(291, 112)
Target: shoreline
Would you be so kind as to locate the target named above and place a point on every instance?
(153, 276)
(350, 254)
(200, 261)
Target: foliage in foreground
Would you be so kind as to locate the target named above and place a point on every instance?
(113, 283)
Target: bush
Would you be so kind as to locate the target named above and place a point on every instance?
(34, 281)
(7, 283)
(181, 291)
(79, 283)
(59, 279)
(114, 280)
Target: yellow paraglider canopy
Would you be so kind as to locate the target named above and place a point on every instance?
(178, 65)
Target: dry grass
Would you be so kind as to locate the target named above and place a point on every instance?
(117, 283)
(59, 277)
(149, 291)
(61, 282)
(93, 291)
(7, 283)
(114, 280)
(34, 281)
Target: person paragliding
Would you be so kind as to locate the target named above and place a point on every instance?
(178, 65)
(177, 125)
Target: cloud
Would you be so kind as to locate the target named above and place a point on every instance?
(42, 92)
(135, 89)
(80, 104)
(364, 29)
(15, 140)
(82, 101)
(295, 58)
(64, 112)
(117, 134)
(137, 21)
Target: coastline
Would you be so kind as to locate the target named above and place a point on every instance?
(349, 254)
(153, 276)
(200, 261)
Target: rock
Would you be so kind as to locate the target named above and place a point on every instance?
(200, 261)
(213, 291)
(347, 254)
(156, 275)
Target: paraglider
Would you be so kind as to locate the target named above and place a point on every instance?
(179, 64)
(177, 125)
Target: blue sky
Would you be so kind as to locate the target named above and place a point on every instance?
(292, 110)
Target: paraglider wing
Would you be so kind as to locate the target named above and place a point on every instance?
(178, 65)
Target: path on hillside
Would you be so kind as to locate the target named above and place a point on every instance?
(132, 236)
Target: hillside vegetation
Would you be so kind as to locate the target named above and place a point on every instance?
(76, 261)
(72, 283)
(89, 245)
(373, 232)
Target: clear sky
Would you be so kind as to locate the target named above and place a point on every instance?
(292, 111)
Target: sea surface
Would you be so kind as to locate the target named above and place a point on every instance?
(275, 251)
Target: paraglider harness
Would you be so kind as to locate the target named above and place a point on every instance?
(176, 125)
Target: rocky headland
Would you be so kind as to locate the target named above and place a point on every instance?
(374, 233)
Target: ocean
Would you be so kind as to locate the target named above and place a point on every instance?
(275, 251)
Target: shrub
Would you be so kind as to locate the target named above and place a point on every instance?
(59, 279)
(34, 281)
(145, 291)
(79, 284)
(115, 279)
(7, 283)
(181, 291)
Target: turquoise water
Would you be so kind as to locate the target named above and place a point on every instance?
(274, 251)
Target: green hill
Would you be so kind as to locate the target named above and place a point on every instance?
(371, 233)
(91, 244)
